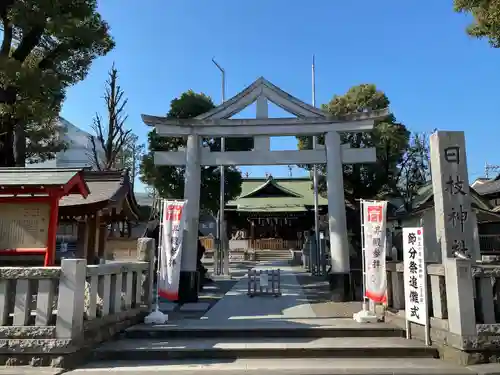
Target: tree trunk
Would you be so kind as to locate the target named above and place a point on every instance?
(7, 142)
(19, 145)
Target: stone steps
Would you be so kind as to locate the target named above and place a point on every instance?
(276, 366)
(245, 347)
(283, 346)
(272, 255)
(299, 328)
(264, 339)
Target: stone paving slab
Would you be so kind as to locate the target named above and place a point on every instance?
(167, 307)
(486, 369)
(236, 304)
(194, 307)
(290, 366)
(28, 370)
(318, 294)
(282, 324)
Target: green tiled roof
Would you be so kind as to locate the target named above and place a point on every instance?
(425, 193)
(296, 194)
(424, 200)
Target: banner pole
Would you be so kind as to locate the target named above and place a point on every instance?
(363, 258)
(159, 248)
(365, 315)
(156, 316)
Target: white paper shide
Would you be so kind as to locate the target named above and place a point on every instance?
(415, 277)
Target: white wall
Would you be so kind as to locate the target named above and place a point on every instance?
(77, 154)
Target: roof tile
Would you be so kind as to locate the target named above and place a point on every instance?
(36, 176)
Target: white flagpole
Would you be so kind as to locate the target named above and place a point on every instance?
(365, 301)
(315, 175)
(156, 316)
(365, 315)
(159, 246)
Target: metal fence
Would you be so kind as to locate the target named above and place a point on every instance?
(264, 282)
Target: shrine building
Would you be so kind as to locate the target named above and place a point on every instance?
(274, 213)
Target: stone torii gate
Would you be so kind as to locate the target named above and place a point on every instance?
(308, 121)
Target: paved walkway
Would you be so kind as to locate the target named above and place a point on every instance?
(320, 297)
(236, 304)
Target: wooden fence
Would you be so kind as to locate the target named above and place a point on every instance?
(258, 244)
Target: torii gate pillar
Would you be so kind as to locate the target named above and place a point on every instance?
(339, 244)
(189, 278)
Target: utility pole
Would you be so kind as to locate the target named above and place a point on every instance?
(490, 168)
(222, 184)
(134, 164)
(315, 172)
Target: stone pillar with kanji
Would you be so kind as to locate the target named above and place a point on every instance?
(455, 227)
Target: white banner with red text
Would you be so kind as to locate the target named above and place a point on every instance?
(415, 275)
(170, 254)
(374, 249)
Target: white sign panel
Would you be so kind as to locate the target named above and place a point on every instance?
(375, 244)
(172, 227)
(415, 276)
(264, 281)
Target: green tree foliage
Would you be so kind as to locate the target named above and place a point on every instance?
(169, 180)
(47, 46)
(130, 156)
(486, 15)
(415, 170)
(43, 140)
(389, 137)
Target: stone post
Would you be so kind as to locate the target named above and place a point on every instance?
(83, 239)
(261, 142)
(71, 299)
(188, 282)
(146, 253)
(101, 241)
(339, 246)
(91, 241)
(454, 227)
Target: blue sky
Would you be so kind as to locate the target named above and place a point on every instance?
(417, 52)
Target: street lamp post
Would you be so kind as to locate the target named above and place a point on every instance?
(319, 251)
(222, 182)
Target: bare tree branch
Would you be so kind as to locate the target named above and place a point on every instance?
(113, 136)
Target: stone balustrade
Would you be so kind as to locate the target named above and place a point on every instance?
(53, 315)
(467, 345)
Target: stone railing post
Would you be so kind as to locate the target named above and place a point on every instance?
(146, 253)
(71, 299)
(460, 297)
